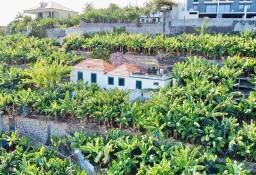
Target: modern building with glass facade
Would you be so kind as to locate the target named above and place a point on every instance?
(223, 8)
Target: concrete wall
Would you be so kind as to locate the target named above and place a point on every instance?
(214, 25)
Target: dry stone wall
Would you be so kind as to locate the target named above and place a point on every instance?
(40, 130)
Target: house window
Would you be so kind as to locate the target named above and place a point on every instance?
(195, 7)
(211, 8)
(50, 15)
(156, 84)
(224, 8)
(80, 76)
(110, 80)
(94, 78)
(248, 6)
(241, 6)
(121, 82)
(138, 84)
(40, 15)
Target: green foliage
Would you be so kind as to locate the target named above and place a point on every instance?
(112, 14)
(19, 157)
(233, 168)
(18, 49)
(185, 44)
(100, 53)
(245, 142)
(124, 154)
(47, 75)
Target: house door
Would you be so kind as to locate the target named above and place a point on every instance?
(138, 84)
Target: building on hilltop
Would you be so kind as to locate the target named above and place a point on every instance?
(50, 10)
(218, 9)
(125, 77)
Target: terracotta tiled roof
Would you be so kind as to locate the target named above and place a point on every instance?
(94, 65)
(124, 70)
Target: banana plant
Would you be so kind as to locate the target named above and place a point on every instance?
(68, 105)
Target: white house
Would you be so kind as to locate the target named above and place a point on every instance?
(50, 10)
(126, 76)
(154, 17)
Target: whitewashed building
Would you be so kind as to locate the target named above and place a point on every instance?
(50, 10)
(126, 76)
(154, 17)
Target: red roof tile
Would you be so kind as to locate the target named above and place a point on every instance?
(94, 65)
(124, 70)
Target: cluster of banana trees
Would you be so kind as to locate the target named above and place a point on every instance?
(17, 156)
(185, 44)
(9, 77)
(244, 143)
(69, 100)
(201, 108)
(18, 49)
(41, 89)
(123, 154)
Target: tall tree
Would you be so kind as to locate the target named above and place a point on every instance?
(88, 7)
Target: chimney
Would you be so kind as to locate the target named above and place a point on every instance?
(43, 4)
(113, 63)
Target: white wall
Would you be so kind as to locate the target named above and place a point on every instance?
(130, 82)
(187, 15)
(101, 78)
(56, 14)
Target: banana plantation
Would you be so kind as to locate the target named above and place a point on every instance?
(184, 129)
(206, 45)
(19, 157)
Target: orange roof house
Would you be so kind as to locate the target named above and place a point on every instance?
(126, 76)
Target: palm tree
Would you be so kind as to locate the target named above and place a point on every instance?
(19, 16)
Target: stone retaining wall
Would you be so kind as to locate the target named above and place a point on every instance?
(172, 27)
(37, 129)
